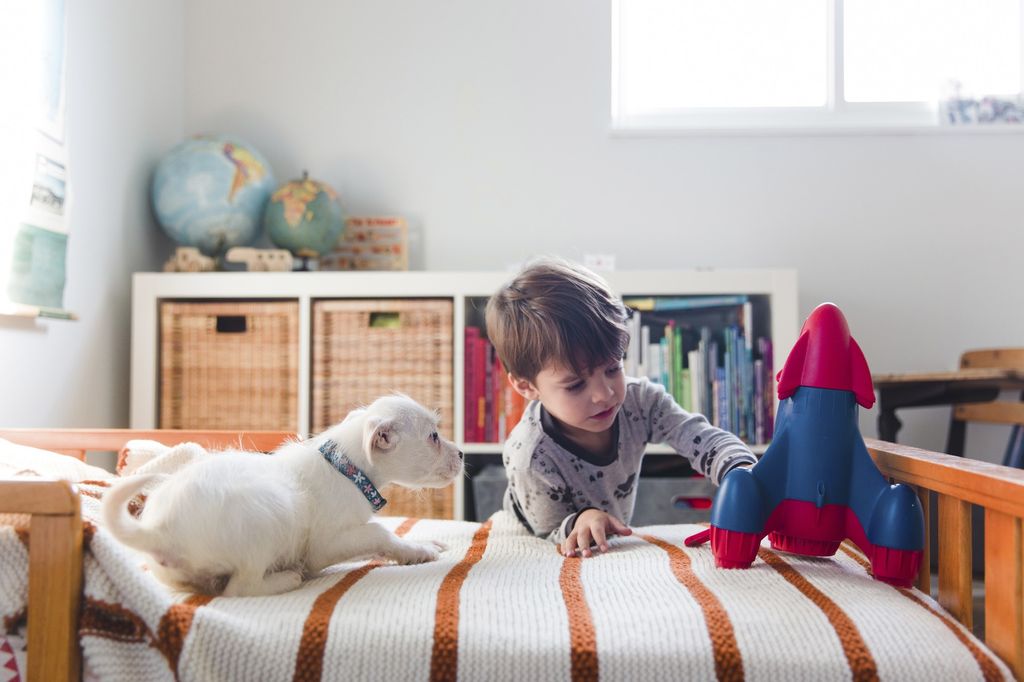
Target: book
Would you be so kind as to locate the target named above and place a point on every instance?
(490, 410)
(677, 367)
(480, 389)
(758, 401)
(670, 379)
(472, 334)
(655, 303)
(498, 381)
(643, 369)
(697, 387)
(654, 361)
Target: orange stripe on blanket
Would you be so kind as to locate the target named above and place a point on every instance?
(444, 659)
(582, 636)
(16, 620)
(858, 656)
(851, 551)
(174, 627)
(405, 527)
(989, 669)
(309, 661)
(728, 660)
(112, 621)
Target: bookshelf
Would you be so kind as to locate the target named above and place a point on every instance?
(771, 295)
(712, 353)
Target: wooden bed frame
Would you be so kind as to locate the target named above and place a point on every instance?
(55, 555)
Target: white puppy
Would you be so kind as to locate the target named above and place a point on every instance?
(247, 524)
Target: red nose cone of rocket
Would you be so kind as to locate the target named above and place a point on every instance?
(826, 356)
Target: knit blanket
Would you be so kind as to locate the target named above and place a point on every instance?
(501, 604)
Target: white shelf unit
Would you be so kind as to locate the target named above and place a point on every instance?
(149, 289)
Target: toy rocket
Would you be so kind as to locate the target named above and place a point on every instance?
(816, 485)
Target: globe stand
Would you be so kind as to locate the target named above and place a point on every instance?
(303, 263)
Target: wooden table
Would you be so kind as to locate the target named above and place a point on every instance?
(896, 391)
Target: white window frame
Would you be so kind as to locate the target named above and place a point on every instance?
(836, 116)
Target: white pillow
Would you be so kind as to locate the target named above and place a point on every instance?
(22, 460)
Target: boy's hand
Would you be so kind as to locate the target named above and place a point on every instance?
(593, 526)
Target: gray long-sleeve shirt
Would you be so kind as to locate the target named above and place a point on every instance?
(551, 479)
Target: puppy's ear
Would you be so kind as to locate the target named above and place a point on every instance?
(379, 435)
(358, 412)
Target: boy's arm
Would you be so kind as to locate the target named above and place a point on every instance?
(712, 451)
(542, 501)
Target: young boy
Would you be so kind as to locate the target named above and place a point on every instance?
(574, 458)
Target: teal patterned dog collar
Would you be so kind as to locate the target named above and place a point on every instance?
(346, 468)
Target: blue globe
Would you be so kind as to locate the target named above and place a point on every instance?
(210, 192)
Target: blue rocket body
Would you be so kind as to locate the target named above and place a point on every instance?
(816, 484)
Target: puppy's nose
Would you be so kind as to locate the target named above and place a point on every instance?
(461, 456)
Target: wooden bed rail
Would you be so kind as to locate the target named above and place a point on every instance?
(76, 442)
(958, 484)
(55, 573)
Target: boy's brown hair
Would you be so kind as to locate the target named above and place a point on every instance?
(556, 312)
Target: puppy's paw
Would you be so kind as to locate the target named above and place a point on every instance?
(417, 553)
(283, 581)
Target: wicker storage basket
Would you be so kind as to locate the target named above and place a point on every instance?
(229, 365)
(363, 349)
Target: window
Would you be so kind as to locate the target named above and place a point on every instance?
(681, 64)
(33, 175)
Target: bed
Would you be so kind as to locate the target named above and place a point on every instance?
(501, 604)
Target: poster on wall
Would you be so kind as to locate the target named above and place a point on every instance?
(38, 238)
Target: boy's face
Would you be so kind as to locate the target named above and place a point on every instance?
(586, 403)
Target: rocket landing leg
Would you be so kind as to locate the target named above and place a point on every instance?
(734, 549)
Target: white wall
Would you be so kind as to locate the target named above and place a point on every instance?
(487, 124)
(125, 99)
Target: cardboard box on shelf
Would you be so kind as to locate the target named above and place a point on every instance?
(370, 243)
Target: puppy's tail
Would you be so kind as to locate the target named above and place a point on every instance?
(116, 518)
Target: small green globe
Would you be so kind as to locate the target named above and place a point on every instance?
(304, 216)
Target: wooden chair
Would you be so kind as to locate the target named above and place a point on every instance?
(993, 412)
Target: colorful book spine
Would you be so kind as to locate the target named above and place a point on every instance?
(687, 388)
(769, 388)
(677, 367)
(480, 392)
(490, 427)
(667, 303)
(472, 334)
(670, 382)
(693, 361)
(759, 401)
(654, 361)
(723, 400)
(643, 367)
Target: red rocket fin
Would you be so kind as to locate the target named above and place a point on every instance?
(790, 374)
(860, 377)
